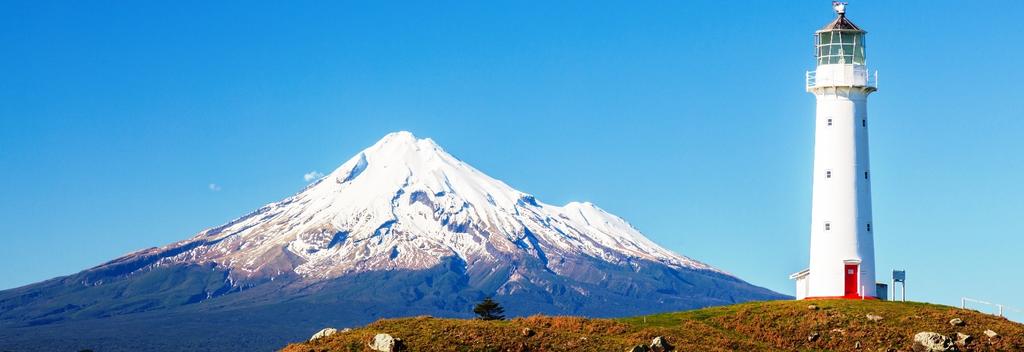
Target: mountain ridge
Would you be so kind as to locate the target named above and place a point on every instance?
(453, 190)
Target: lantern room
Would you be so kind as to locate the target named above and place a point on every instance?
(840, 42)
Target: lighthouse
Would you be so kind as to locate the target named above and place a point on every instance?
(842, 258)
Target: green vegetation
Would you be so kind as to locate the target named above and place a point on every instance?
(488, 309)
(839, 325)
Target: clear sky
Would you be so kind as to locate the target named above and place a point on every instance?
(125, 125)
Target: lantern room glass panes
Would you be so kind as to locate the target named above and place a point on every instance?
(840, 47)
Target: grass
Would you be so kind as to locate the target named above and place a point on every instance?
(841, 325)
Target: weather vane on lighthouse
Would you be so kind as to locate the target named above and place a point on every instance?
(840, 7)
(842, 250)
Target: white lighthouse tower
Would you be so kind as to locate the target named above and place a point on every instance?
(842, 256)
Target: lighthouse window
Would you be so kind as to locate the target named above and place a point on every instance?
(865, 175)
(864, 123)
(828, 226)
(840, 47)
(828, 173)
(869, 227)
(830, 122)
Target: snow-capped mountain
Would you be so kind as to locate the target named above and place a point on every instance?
(404, 203)
(401, 228)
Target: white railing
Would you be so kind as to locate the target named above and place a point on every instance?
(842, 76)
(1000, 307)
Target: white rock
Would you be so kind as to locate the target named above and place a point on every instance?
(386, 343)
(660, 344)
(963, 339)
(927, 341)
(323, 333)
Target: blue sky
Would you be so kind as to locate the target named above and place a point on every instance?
(688, 119)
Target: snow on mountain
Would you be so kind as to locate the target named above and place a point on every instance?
(405, 203)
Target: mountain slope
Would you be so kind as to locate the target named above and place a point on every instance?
(401, 228)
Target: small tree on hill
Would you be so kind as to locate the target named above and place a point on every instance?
(488, 309)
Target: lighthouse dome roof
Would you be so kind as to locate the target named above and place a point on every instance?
(841, 23)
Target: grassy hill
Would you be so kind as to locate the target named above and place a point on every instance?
(840, 325)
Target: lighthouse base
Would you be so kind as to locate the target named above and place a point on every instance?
(853, 297)
(853, 290)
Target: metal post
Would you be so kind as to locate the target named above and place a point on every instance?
(963, 303)
(1000, 309)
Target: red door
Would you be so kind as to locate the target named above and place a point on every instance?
(851, 280)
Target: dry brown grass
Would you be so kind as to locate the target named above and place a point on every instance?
(758, 326)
